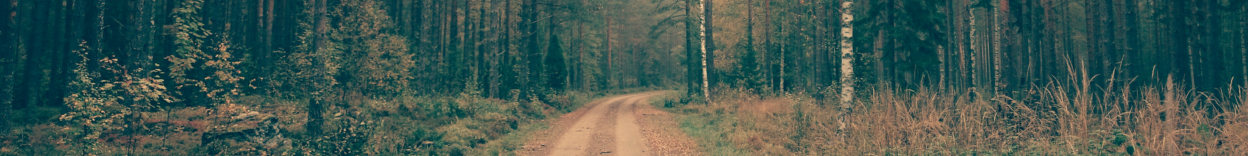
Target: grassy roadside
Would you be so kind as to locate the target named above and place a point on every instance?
(263, 125)
(1048, 120)
(714, 130)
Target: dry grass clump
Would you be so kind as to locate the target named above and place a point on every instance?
(1054, 119)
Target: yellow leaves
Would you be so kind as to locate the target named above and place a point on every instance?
(107, 86)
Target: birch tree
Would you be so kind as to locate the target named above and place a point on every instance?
(847, 61)
(706, 87)
(975, 78)
(996, 50)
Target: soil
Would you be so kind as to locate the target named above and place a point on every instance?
(617, 125)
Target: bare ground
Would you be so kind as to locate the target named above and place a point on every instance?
(618, 125)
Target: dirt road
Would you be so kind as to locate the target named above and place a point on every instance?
(618, 125)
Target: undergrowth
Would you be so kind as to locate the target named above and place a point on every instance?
(1053, 119)
(264, 125)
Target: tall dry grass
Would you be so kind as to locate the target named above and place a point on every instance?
(1051, 119)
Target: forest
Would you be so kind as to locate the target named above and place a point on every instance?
(739, 77)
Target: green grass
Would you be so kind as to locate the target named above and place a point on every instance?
(712, 132)
(507, 145)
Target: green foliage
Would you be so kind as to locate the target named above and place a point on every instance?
(747, 72)
(556, 67)
(104, 105)
(205, 74)
(914, 28)
(380, 62)
(306, 70)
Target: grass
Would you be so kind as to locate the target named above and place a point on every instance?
(1053, 119)
(264, 125)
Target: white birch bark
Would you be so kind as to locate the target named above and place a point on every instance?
(974, 50)
(996, 52)
(706, 88)
(847, 61)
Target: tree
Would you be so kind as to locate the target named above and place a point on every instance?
(847, 61)
(711, 77)
(201, 72)
(555, 66)
(8, 61)
(748, 67)
(690, 52)
(610, 68)
(706, 93)
(976, 43)
(378, 63)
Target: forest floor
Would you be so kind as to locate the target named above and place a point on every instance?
(617, 125)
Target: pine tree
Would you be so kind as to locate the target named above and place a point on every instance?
(556, 68)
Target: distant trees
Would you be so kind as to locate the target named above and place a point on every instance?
(205, 51)
(993, 47)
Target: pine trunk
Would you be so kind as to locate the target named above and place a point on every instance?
(690, 67)
(580, 59)
(768, 72)
(268, 38)
(710, 76)
(316, 107)
(610, 54)
(8, 59)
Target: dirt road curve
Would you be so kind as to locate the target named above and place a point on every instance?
(618, 125)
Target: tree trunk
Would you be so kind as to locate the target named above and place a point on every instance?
(705, 84)
(140, 56)
(974, 50)
(8, 59)
(1131, 26)
(532, 51)
(996, 52)
(690, 56)
(580, 59)
(27, 90)
(610, 55)
(503, 52)
(945, 49)
(1213, 52)
(749, 43)
(768, 71)
(316, 107)
(710, 76)
(268, 39)
(479, 48)
(847, 61)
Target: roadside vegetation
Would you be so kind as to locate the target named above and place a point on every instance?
(313, 77)
(1054, 119)
(263, 125)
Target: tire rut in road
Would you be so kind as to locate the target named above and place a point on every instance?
(628, 138)
(576, 140)
(619, 125)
